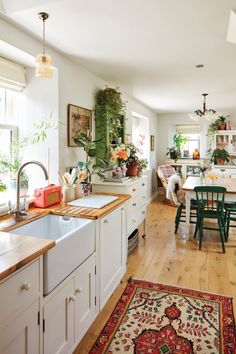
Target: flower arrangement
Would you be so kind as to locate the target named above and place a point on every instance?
(120, 154)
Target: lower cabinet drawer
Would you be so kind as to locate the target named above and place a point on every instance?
(19, 290)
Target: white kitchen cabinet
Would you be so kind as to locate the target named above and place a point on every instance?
(21, 336)
(137, 188)
(19, 311)
(225, 139)
(112, 260)
(70, 310)
(58, 321)
(85, 298)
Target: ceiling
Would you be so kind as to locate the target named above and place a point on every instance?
(149, 48)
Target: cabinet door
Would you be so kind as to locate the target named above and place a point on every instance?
(21, 336)
(58, 337)
(85, 302)
(110, 255)
(222, 141)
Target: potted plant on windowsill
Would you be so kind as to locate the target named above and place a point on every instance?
(222, 122)
(172, 152)
(219, 156)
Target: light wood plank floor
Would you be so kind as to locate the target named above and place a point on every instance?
(167, 258)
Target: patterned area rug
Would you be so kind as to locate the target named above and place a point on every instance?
(160, 319)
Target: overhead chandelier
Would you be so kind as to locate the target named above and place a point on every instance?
(43, 61)
(208, 114)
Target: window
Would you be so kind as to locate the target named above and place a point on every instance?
(192, 133)
(10, 111)
(140, 135)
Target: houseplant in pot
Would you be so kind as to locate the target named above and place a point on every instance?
(222, 122)
(143, 164)
(172, 152)
(132, 163)
(219, 156)
(93, 164)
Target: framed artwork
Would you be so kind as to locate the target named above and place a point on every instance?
(185, 154)
(79, 121)
(152, 142)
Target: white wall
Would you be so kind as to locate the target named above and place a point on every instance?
(167, 123)
(76, 86)
(39, 104)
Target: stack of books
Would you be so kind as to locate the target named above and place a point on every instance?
(116, 179)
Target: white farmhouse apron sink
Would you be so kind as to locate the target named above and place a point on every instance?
(75, 242)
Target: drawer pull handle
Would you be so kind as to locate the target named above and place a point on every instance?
(134, 190)
(25, 286)
(134, 204)
(105, 221)
(143, 197)
(143, 212)
(78, 291)
(71, 298)
(133, 221)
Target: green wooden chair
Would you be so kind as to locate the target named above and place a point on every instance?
(230, 215)
(181, 214)
(210, 201)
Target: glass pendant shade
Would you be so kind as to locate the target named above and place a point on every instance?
(43, 61)
(43, 65)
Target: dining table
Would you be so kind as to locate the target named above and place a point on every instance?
(192, 182)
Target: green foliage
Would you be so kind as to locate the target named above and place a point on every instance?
(219, 153)
(179, 141)
(93, 164)
(110, 119)
(10, 163)
(132, 153)
(143, 163)
(214, 126)
(3, 187)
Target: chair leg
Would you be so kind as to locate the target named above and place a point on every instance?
(196, 228)
(227, 226)
(177, 218)
(222, 234)
(201, 233)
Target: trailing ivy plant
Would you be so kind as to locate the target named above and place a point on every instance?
(109, 118)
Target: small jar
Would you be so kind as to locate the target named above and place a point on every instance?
(196, 154)
(68, 193)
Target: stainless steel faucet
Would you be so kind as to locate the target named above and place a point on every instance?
(18, 211)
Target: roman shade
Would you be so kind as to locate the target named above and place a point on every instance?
(188, 129)
(12, 75)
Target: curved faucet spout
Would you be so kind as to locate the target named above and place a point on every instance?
(18, 211)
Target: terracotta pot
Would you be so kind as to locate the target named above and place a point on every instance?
(221, 127)
(220, 161)
(132, 170)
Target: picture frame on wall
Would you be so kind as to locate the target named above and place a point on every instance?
(79, 121)
(152, 142)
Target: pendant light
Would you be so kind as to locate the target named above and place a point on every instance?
(208, 114)
(43, 61)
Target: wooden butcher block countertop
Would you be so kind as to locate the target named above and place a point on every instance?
(17, 250)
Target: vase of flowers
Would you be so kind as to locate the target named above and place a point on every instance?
(119, 156)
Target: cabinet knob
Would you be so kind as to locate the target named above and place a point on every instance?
(143, 212)
(105, 221)
(25, 286)
(133, 221)
(78, 291)
(71, 298)
(134, 204)
(143, 197)
(134, 190)
(143, 184)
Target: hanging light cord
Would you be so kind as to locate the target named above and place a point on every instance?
(43, 36)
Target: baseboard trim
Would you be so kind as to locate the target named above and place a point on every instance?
(152, 198)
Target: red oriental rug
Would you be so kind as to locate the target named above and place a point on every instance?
(153, 318)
